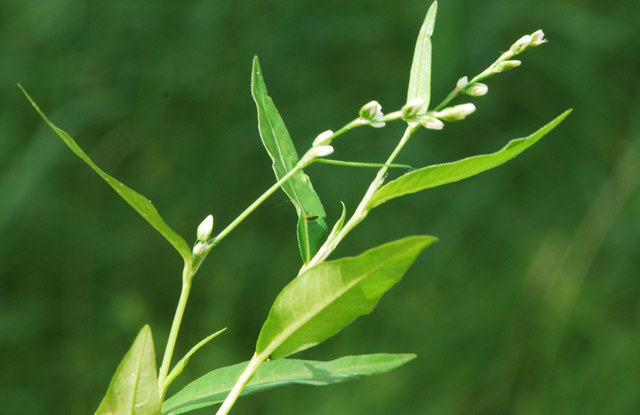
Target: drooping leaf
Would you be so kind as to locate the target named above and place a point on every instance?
(440, 174)
(140, 203)
(327, 297)
(312, 228)
(420, 76)
(213, 387)
(134, 387)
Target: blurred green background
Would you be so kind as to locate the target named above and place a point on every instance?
(529, 303)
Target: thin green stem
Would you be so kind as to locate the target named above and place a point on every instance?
(326, 249)
(301, 164)
(360, 164)
(242, 381)
(187, 277)
(362, 210)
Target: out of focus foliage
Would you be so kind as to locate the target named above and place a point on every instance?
(529, 302)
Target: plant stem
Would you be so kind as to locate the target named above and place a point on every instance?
(242, 381)
(301, 164)
(187, 277)
(326, 249)
(361, 211)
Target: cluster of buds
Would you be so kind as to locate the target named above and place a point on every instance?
(527, 41)
(372, 111)
(504, 63)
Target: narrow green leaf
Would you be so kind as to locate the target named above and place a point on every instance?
(312, 228)
(440, 174)
(213, 387)
(134, 387)
(327, 297)
(420, 76)
(182, 363)
(140, 203)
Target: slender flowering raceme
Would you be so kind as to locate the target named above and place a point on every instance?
(304, 313)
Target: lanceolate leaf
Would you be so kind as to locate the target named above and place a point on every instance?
(440, 174)
(140, 203)
(213, 387)
(312, 227)
(327, 297)
(420, 76)
(134, 387)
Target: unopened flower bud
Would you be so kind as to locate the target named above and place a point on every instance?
(198, 248)
(537, 38)
(456, 113)
(315, 152)
(321, 151)
(370, 109)
(323, 138)
(462, 82)
(204, 229)
(521, 44)
(506, 65)
(477, 90)
(432, 123)
(412, 107)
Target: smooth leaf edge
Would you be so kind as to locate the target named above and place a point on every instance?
(164, 229)
(377, 199)
(182, 407)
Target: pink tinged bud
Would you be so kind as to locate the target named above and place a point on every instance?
(521, 44)
(431, 123)
(477, 90)
(323, 138)
(204, 229)
(413, 107)
(457, 113)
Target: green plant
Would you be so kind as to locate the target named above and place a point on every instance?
(325, 296)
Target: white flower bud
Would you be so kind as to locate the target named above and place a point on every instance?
(456, 113)
(477, 90)
(462, 82)
(204, 229)
(537, 38)
(323, 138)
(314, 153)
(521, 44)
(198, 249)
(506, 65)
(370, 110)
(321, 151)
(432, 123)
(412, 107)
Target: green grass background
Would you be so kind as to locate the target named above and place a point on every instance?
(529, 304)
